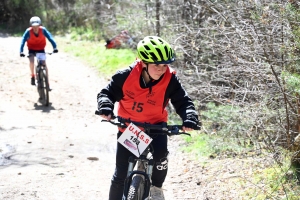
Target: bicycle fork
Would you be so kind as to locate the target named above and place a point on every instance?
(145, 172)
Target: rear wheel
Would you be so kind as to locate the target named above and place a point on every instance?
(136, 189)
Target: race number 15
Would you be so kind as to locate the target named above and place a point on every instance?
(138, 107)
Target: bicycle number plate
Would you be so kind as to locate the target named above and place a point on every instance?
(134, 139)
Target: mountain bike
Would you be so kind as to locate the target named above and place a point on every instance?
(42, 81)
(138, 181)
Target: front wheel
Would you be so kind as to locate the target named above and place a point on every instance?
(43, 88)
(136, 189)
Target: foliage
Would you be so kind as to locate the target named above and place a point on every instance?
(213, 146)
(276, 181)
(292, 81)
(84, 33)
(96, 55)
(228, 121)
(15, 14)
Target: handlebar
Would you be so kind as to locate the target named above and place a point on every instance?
(162, 128)
(49, 53)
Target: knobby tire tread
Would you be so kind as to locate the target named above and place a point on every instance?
(136, 189)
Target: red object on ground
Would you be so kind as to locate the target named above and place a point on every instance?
(119, 40)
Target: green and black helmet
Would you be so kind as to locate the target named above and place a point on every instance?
(153, 49)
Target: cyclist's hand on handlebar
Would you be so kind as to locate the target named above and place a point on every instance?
(189, 125)
(107, 117)
(55, 50)
(22, 54)
(186, 129)
(106, 113)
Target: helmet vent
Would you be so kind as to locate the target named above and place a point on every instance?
(153, 56)
(144, 55)
(168, 53)
(161, 41)
(160, 53)
(154, 43)
(147, 47)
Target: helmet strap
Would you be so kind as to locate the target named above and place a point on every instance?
(146, 69)
(151, 79)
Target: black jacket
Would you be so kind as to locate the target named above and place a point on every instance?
(175, 92)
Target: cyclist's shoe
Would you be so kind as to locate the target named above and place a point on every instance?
(156, 193)
(32, 81)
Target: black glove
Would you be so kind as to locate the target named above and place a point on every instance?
(106, 112)
(22, 54)
(192, 124)
(55, 51)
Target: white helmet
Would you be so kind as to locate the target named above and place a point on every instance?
(35, 21)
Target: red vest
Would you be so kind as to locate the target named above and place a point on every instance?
(36, 42)
(138, 104)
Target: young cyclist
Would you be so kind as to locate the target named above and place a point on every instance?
(143, 91)
(35, 36)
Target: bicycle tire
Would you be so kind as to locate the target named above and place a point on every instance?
(45, 88)
(39, 84)
(136, 189)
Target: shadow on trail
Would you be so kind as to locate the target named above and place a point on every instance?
(4, 35)
(46, 109)
(23, 160)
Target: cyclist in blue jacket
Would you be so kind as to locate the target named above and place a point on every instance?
(35, 36)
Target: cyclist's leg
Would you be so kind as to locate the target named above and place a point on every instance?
(31, 54)
(160, 169)
(31, 65)
(117, 182)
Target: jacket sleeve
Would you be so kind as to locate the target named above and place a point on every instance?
(24, 39)
(48, 35)
(112, 93)
(182, 103)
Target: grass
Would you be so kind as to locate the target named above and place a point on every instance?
(276, 181)
(107, 61)
(198, 145)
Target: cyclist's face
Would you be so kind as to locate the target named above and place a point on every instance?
(35, 29)
(156, 71)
